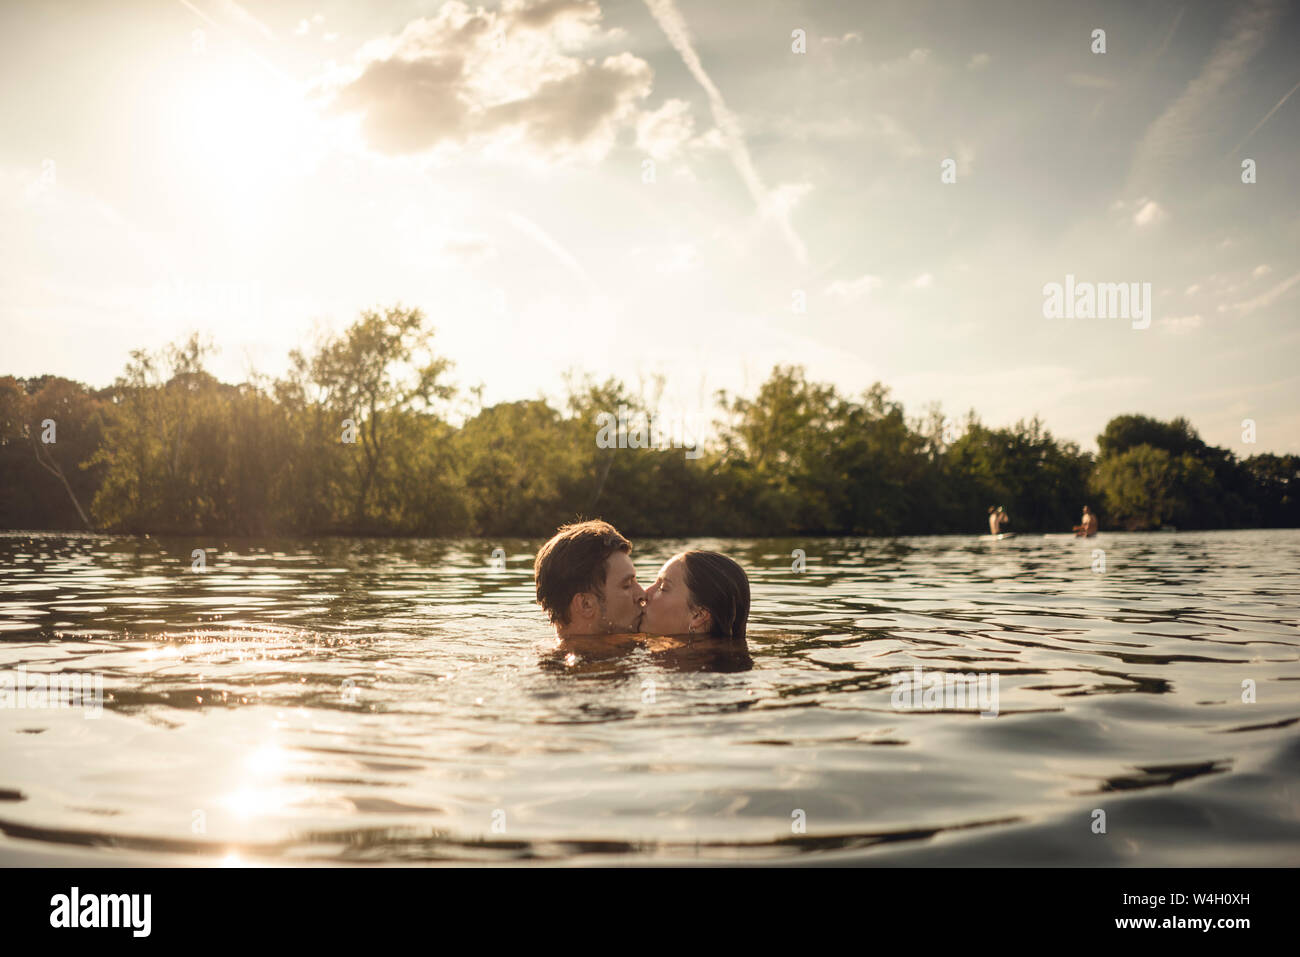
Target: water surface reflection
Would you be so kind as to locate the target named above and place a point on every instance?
(404, 701)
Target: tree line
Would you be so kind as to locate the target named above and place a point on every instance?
(366, 435)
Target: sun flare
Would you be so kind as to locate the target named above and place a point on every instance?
(241, 132)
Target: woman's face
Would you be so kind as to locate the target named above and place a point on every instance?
(667, 610)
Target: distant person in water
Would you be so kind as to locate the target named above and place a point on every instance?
(586, 582)
(1087, 526)
(998, 517)
(698, 593)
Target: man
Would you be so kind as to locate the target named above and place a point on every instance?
(586, 582)
(1088, 524)
(997, 519)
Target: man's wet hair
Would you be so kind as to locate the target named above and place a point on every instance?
(575, 560)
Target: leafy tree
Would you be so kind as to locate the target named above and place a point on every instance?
(1138, 486)
(154, 443)
(169, 449)
(1276, 481)
(514, 457)
(1126, 431)
(1201, 486)
(380, 367)
(51, 483)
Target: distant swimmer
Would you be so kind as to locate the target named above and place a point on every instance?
(998, 517)
(1088, 524)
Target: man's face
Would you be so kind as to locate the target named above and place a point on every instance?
(621, 609)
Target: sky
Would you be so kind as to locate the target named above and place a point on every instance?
(682, 189)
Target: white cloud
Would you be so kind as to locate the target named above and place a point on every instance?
(782, 200)
(663, 132)
(1180, 324)
(900, 140)
(853, 289)
(979, 61)
(917, 58)
(1261, 270)
(1265, 299)
(922, 281)
(504, 79)
(714, 139)
(1089, 81)
(1148, 214)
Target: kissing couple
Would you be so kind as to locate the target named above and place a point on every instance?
(586, 584)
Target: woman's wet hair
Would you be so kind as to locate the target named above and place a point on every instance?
(717, 583)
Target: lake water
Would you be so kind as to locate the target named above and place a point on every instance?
(361, 701)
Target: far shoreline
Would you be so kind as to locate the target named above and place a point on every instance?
(820, 536)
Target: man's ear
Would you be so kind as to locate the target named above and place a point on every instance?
(583, 607)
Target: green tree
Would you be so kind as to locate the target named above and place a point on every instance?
(379, 368)
(154, 477)
(1138, 487)
(1126, 431)
(1276, 488)
(50, 484)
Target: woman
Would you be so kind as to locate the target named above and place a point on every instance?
(698, 593)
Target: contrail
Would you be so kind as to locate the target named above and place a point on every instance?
(1264, 120)
(236, 12)
(1183, 125)
(551, 245)
(1170, 35)
(674, 27)
(243, 46)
